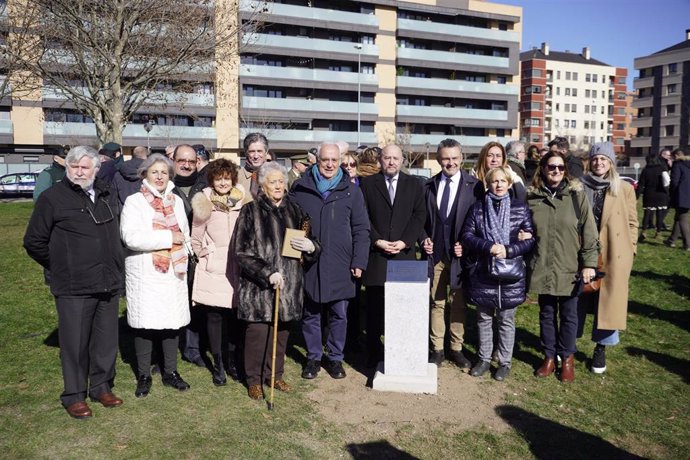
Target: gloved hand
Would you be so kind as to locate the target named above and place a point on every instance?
(276, 280)
(303, 244)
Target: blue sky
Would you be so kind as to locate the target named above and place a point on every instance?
(616, 31)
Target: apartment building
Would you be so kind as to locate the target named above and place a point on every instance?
(368, 72)
(663, 99)
(573, 95)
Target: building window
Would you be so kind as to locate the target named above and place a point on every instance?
(671, 88)
(620, 126)
(670, 130)
(575, 76)
(567, 107)
(567, 75)
(587, 93)
(574, 92)
(573, 124)
(588, 77)
(586, 124)
(558, 75)
(621, 80)
(586, 108)
(594, 78)
(558, 90)
(567, 91)
(500, 132)
(537, 73)
(673, 68)
(669, 109)
(573, 108)
(501, 80)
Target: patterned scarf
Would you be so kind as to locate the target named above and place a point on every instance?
(164, 219)
(497, 218)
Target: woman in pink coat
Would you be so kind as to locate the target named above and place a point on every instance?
(215, 212)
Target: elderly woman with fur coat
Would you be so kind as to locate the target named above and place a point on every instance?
(215, 211)
(257, 246)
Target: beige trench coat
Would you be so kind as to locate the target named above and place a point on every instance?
(618, 239)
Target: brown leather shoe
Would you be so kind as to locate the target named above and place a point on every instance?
(255, 391)
(568, 369)
(547, 367)
(79, 410)
(109, 400)
(281, 385)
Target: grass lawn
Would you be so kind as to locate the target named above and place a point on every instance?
(638, 408)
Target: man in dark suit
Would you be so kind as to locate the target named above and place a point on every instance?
(449, 196)
(395, 203)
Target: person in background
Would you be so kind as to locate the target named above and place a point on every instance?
(111, 159)
(51, 175)
(515, 154)
(575, 167)
(350, 165)
(492, 229)
(155, 231)
(216, 210)
(680, 198)
(493, 155)
(653, 187)
(127, 180)
(449, 196)
(531, 163)
(256, 246)
(256, 153)
(666, 159)
(368, 162)
(615, 213)
(299, 165)
(565, 255)
(202, 161)
(170, 151)
(74, 233)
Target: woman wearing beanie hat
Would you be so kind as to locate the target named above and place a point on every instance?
(615, 213)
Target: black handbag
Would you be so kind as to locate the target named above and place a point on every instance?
(510, 270)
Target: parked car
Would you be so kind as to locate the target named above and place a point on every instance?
(630, 180)
(18, 184)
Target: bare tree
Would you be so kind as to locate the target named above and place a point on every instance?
(108, 58)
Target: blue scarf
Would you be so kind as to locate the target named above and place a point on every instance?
(497, 222)
(324, 186)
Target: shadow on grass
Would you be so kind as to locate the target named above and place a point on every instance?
(53, 339)
(677, 318)
(680, 367)
(378, 450)
(677, 283)
(548, 439)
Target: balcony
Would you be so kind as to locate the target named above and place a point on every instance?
(444, 87)
(307, 108)
(305, 15)
(423, 114)
(452, 32)
(155, 97)
(294, 138)
(451, 60)
(467, 141)
(642, 102)
(159, 132)
(644, 82)
(306, 78)
(642, 122)
(304, 46)
(641, 142)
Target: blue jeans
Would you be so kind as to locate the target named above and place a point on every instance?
(588, 303)
(337, 329)
(558, 338)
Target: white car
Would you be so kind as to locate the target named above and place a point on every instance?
(18, 184)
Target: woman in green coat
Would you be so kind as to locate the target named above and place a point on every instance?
(565, 254)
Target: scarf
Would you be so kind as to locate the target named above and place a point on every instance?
(182, 181)
(595, 189)
(224, 203)
(254, 181)
(497, 221)
(325, 186)
(164, 219)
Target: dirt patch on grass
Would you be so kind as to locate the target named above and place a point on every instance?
(462, 401)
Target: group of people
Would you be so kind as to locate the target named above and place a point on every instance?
(203, 239)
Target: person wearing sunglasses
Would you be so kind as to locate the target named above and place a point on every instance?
(350, 165)
(74, 233)
(566, 252)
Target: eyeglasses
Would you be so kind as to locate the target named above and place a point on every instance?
(561, 168)
(106, 219)
(351, 164)
(189, 162)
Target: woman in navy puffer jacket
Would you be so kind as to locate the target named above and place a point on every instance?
(496, 227)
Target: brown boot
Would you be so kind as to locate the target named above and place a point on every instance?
(547, 368)
(568, 369)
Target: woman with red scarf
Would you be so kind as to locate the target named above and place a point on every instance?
(154, 229)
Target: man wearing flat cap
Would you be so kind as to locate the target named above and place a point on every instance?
(111, 157)
(299, 165)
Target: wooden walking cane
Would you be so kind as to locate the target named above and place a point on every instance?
(275, 344)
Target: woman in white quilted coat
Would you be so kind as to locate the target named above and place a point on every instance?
(215, 212)
(154, 229)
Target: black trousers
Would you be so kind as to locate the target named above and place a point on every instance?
(88, 332)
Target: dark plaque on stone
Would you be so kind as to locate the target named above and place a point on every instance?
(407, 271)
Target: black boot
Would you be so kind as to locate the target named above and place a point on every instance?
(218, 371)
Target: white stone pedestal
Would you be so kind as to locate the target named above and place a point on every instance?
(406, 350)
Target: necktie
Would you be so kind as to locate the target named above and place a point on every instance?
(391, 190)
(444, 200)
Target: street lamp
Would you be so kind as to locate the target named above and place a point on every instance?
(148, 126)
(358, 46)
